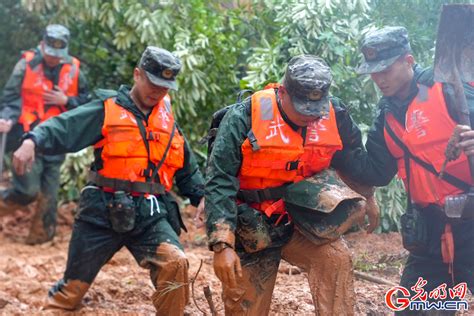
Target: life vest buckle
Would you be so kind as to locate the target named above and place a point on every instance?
(152, 136)
(292, 165)
(146, 172)
(253, 141)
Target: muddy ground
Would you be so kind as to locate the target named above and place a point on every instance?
(122, 288)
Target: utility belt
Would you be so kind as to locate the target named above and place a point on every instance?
(132, 187)
(260, 213)
(268, 201)
(262, 195)
(122, 208)
(415, 228)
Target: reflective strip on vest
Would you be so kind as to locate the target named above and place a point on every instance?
(124, 152)
(35, 84)
(282, 157)
(428, 127)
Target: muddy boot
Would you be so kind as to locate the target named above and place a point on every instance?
(7, 208)
(170, 276)
(42, 229)
(66, 295)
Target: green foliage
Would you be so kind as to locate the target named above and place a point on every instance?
(392, 203)
(20, 30)
(74, 174)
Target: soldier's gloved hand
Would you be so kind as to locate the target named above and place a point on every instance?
(227, 266)
(5, 125)
(24, 157)
(55, 97)
(373, 213)
(467, 140)
(198, 216)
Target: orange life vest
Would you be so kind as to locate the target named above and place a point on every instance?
(124, 153)
(428, 127)
(35, 84)
(276, 154)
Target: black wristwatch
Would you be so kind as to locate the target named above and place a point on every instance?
(31, 136)
(220, 246)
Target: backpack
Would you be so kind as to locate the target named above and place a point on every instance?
(216, 121)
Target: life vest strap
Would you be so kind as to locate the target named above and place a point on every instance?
(127, 186)
(278, 208)
(447, 248)
(261, 195)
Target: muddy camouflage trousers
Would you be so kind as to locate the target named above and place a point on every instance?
(328, 267)
(40, 184)
(429, 265)
(153, 242)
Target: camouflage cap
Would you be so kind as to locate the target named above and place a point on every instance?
(307, 80)
(161, 67)
(382, 47)
(56, 40)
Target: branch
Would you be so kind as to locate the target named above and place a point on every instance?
(208, 295)
(192, 289)
(372, 278)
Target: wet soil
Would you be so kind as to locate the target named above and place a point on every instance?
(123, 288)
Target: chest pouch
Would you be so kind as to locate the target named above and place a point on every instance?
(414, 231)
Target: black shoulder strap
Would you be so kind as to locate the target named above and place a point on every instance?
(142, 129)
(165, 153)
(242, 93)
(446, 176)
(151, 167)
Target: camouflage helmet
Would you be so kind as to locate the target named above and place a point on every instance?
(161, 67)
(323, 207)
(382, 47)
(56, 40)
(307, 80)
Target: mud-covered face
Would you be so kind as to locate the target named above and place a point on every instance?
(147, 94)
(395, 81)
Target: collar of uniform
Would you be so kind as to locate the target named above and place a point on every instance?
(37, 59)
(124, 99)
(283, 114)
(399, 107)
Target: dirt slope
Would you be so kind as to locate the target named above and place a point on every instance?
(122, 288)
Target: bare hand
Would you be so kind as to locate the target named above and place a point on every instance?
(467, 140)
(226, 266)
(198, 216)
(55, 97)
(373, 213)
(24, 157)
(5, 125)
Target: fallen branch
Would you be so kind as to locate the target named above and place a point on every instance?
(372, 278)
(208, 296)
(192, 289)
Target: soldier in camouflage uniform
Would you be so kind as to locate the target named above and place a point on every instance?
(270, 194)
(45, 82)
(409, 137)
(139, 150)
